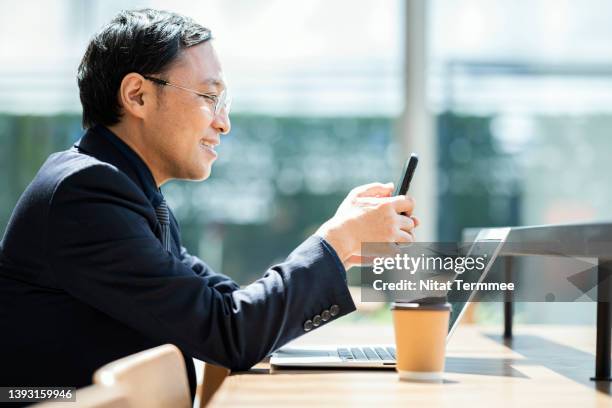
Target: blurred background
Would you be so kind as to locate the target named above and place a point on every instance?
(509, 105)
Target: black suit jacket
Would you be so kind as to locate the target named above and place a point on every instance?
(84, 279)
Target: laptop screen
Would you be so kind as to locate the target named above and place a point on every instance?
(487, 244)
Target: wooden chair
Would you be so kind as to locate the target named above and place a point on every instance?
(153, 378)
(213, 378)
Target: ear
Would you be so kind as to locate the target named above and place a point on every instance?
(135, 95)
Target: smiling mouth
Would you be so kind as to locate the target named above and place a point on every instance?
(208, 146)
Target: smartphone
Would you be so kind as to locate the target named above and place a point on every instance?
(409, 168)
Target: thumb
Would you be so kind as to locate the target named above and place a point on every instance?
(373, 190)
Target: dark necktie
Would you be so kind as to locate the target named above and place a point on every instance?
(163, 216)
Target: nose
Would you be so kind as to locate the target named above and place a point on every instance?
(221, 122)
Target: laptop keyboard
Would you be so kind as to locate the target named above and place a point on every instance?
(367, 353)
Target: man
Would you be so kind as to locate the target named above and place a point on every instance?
(91, 264)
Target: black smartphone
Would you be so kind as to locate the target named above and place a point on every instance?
(409, 168)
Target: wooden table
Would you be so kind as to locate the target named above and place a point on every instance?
(542, 366)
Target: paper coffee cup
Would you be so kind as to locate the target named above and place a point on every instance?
(420, 339)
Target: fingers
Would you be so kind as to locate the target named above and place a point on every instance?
(402, 204)
(405, 223)
(405, 226)
(373, 190)
(404, 237)
(416, 220)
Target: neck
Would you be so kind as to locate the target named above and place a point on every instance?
(135, 138)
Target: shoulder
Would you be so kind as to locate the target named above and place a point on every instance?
(87, 193)
(62, 167)
(72, 175)
(67, 185)
(71, 170)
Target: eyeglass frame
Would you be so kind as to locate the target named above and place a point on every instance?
(223, 99)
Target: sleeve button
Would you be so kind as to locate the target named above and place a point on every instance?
(316, 321)
(325, 315)
(308, 325)
(334, 310)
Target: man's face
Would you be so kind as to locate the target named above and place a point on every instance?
(184, 129)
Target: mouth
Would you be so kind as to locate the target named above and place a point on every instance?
(209, 146)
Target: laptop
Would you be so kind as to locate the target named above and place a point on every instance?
(487, 242)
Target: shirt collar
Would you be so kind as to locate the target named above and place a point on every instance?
(142, 171)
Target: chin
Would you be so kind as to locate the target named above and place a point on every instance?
(201, 175)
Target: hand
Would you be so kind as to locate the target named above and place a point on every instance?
(369, 214)
(366, 259)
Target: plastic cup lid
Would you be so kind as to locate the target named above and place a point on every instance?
(432, 303)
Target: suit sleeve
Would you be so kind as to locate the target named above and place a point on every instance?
(216, 280)
(103, 252)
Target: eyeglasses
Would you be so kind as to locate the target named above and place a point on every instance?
(221, 101)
